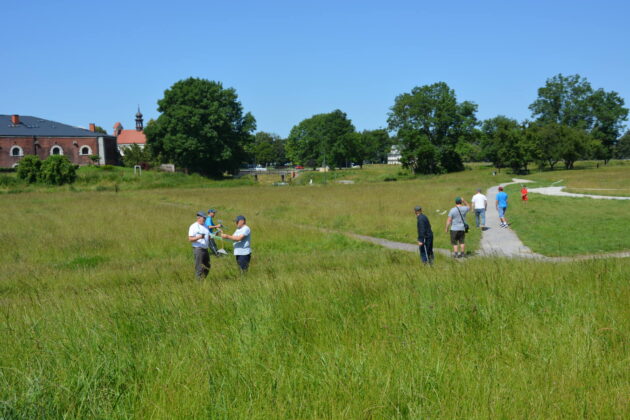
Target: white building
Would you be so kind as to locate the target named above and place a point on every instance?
(393, 157)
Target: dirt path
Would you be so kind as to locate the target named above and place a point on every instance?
(557, 191)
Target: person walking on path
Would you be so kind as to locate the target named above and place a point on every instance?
(199, 234)
(524, 193)
(457, 222)
(480, 204)
(501, 205)
(242, 246)
(425, 236)
(210, 224)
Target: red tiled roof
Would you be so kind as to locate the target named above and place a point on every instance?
(131, 136)
(117, 125)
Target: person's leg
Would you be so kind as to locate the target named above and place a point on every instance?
(202, 262)
(243, 261)
(423, 252)
(454, 242)
(477, 215)
(483, 218)
(429, 248)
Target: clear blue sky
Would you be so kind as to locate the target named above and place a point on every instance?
(78, 62)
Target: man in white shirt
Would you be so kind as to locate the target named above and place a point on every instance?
(241, 238)
(480, 205)
(198, 235)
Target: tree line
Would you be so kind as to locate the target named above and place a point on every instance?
(202, 127)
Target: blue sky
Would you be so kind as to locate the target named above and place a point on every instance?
(76, 62)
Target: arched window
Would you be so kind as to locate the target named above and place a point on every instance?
(16, 151)
(85, 151)
(15, 165)
(56, 150)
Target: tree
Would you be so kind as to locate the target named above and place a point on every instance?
(330, 137)
(268, 149)
(429, 123)
(623, 147)
(28, 168)
(505, 144)
(99, 129)
(136, 155)
(57, 170)
(546, 141)
(570, 101)
(201, 128)
(373, 146)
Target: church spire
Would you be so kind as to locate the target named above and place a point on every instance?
(139, 125)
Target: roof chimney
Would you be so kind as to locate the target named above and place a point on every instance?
(15, 119)
(92, 127)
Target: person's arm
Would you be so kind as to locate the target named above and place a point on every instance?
(195, 237)
(234, 238)
(449, 220)
(421, 231)
(465, 202)
(496, 204)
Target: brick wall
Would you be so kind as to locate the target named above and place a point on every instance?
(42, 147)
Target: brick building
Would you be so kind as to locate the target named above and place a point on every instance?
(23, 135)
(125, 138)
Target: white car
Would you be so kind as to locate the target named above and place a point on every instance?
(261, 168)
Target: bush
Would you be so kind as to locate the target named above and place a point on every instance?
(29, 168)
(57, 170)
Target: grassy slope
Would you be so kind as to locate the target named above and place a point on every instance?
(101, 318)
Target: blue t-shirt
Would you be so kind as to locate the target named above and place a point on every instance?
(209, 222)
(502, 198)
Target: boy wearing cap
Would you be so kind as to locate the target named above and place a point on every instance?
(199, 234)
(211, 227)
(241, 238)
(425, 236)
(457, 222)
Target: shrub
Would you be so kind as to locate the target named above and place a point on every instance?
(57, 170)
(29, 168)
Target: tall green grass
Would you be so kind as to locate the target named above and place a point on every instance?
(101, 316)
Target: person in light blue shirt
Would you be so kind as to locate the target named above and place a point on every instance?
(211, 227)
(501, 205)
(242, 242)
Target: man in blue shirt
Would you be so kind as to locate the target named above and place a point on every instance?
(501, 205)
(211, 227)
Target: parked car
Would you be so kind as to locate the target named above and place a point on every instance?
(299, 167)
(261, 168)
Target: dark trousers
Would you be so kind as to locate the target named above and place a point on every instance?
(202, 262)
(243, 261)
(426, 250)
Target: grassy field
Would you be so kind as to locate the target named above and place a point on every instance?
(102, 318)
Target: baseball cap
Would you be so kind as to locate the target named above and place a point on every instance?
(212, 211)
(239, 218)
(458, 200)
(417, 208)
(201, 214)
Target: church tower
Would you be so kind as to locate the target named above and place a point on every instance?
(139, 126)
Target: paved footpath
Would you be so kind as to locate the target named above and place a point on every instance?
(498, 241)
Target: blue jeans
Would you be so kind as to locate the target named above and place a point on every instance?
(480, 214)
(243, 261)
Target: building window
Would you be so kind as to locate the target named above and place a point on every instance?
(56, 150)
(16, 151)
(85, 151)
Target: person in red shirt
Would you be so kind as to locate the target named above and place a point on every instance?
(524, 193)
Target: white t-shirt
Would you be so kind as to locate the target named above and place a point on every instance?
(197, 229)
(479, 201)
(242, 247)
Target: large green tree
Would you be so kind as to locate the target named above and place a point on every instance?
(505, 144)
(570, 101)
(268, 148)
(330, 137)
(201, 127)
(373, 146)
(623, 147)
(430, 123)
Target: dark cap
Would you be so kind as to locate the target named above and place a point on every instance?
(212, 211)
(417, 208)
(458, 200)
(239, 218)
(201, 214)
(500, 188)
